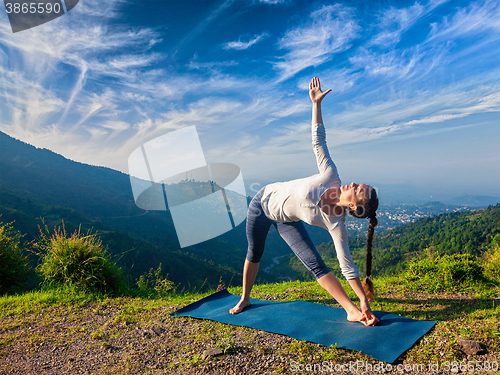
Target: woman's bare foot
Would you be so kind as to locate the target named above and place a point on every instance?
(356, 316)
(242, 305)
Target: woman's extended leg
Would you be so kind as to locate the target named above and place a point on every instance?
(332, 285)
(296, 236)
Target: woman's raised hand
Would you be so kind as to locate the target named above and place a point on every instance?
(315, 91)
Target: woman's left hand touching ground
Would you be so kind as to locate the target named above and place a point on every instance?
(371, 320)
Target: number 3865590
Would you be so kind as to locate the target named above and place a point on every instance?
(33, 8)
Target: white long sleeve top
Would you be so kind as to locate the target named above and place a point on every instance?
(298, 200)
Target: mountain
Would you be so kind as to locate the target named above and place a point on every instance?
(473, 201)
(39, 183)
(135, 256)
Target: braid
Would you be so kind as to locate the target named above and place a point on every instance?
(368, 284)
(369, 244)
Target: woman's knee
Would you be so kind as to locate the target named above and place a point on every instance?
(320, 272)
(254, 256)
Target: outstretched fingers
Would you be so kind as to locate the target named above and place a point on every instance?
(315, 90)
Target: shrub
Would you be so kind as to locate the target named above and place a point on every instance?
(153, 283)
(447, 273)
(491, 261)
(14, 270)
(79, 261)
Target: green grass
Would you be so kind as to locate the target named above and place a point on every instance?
(77, 260)
(28, 302)
(474, 314)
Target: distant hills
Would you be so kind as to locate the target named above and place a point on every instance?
(39, 183)
(136, 256)
(473, 201)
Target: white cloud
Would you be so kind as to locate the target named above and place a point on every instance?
(116, 96)
(273, 2)
(202, 25)
(26, 102)
(239, 45)
(436, 118)
(391, 64)
(195, 64)
(473, 105)
(478, 17)
(125, 62)
(329, 30)
(393, 22)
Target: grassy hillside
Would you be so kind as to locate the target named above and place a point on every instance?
(134, 255)
(105, 195)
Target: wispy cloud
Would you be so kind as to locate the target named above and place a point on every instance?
(193, 64)
(391, 64)
(273, 2)
(240, 45)
(329, 30)
(211, 17)
(209, 65)
(393, 22)
(478, 17)
(94, 88)
(473, 105)
(338, 80)
(400, 117)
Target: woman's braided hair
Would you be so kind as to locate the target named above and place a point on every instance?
(368, 209)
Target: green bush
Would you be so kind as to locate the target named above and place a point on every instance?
(447, 273)
(79, 261)
(153, 283)
(14, 270)
(491, 262)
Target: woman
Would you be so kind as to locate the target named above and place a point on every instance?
(317, 200)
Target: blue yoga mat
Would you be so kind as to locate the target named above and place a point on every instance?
(316, 323)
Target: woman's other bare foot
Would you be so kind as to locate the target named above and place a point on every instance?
(242, 305)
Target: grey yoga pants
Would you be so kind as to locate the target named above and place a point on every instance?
(294, 233)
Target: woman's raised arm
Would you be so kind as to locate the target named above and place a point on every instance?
(316, 96)
(323, 159)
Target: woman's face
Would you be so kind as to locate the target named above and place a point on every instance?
(355, 193)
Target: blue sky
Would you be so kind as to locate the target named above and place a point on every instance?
(415, 100)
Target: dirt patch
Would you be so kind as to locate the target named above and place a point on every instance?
(130, 336)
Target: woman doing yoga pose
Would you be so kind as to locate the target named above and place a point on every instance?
(318, 200)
